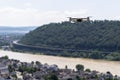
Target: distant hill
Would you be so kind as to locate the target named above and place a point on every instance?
(85, 35)
(94, 35)
(9, 29)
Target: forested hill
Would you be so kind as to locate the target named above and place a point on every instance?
(94, 35)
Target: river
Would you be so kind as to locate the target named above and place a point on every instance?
(99, 65)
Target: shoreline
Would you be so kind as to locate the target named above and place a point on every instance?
(38, 53)
(19, 47)
(32, 69)
(62, 61)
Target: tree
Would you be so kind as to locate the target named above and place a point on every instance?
(66, 67)
(38, 63)
(88, 70)
(5, 57)
(53, 77)
(10, 68)
(32, 62)
(79, 67)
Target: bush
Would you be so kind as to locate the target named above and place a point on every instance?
(80, 67)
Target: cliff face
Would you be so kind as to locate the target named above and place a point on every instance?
(100, 35)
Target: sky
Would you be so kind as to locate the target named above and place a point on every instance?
(39, 12)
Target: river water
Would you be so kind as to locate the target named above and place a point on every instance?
(99, 65)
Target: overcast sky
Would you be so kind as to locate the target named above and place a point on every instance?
(39, 12)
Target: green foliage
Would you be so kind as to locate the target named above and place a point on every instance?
(79, 67)
(87, 70)
(27, 69)
(5, 57)
(51, 77)
(32, 62)
(102, 35)
(113, 56)
(10, 68)
(6, 38)
(37, 63)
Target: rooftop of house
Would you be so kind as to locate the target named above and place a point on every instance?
(2, 65)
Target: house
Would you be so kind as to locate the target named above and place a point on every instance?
(4, 72)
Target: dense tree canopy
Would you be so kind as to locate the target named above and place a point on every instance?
(100, 35)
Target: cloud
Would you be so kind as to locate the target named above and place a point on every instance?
(33, 17)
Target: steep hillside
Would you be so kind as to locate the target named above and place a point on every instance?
(95, 35)
(95, 39)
